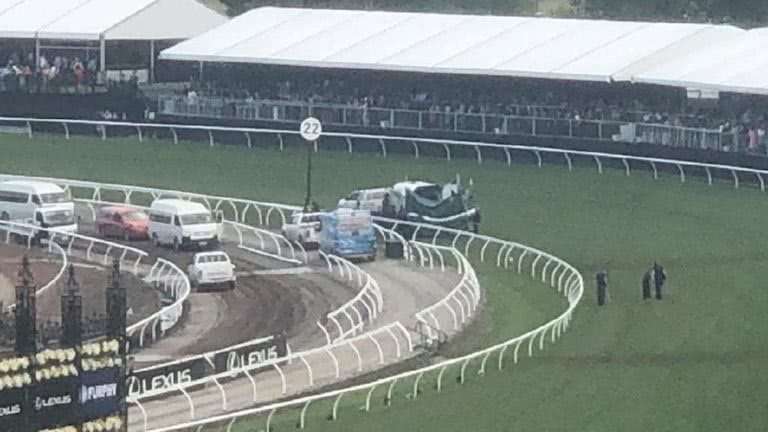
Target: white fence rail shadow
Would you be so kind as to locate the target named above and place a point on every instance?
(480, 151)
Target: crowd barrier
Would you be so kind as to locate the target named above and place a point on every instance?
(526, 121)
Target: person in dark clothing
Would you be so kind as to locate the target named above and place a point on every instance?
(659, 277)
(387, 209)
(647, 276)
(602, 288)
(475, 221)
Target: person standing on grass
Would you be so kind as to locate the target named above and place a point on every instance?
(647, 276)
(602, 288)
(659, 277)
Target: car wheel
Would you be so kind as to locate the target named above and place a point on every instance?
(232, 285)
(5, 216)
(155, 240)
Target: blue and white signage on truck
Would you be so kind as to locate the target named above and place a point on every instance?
(348, 233)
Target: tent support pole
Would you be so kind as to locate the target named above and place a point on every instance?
(152, 61)
(37, 54)
(103, 59)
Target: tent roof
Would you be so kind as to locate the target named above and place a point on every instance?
(111, 19)
(469, 44)
(733, 64)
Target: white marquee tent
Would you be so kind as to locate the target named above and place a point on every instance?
(105, 20)
(568, 49)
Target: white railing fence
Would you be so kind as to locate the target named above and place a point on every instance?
(522, 259)
(525, 121)
(295, 373)
(450, 149)
(52, 247)
(460, 303)
(351, 317)
(166, 275)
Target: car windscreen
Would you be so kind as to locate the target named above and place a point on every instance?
(59, 218)
(135, 216)
(54, 197)
(195, 219)
(212, 259)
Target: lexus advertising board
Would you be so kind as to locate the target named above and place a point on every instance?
(99, 396)
(11, 406)
(54, 402)
(250, 355)
(143, 381)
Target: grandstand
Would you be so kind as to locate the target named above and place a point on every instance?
(658, 83)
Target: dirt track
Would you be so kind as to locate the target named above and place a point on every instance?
(261, 305)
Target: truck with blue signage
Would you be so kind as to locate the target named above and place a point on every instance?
(348, 233)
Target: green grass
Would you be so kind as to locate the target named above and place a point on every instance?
(695, 362)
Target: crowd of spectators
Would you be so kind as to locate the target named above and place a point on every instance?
(522, 98)
(22, 72)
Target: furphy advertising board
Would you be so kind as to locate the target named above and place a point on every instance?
(54, 402)
(147, 380)
(250, 355)
(99, 393)
(11, 409)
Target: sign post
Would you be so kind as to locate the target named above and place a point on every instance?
(310, 130)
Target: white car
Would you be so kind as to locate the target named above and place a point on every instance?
(212, 268)
(304, 228)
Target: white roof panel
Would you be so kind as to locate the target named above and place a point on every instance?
(514, 41)
(629, 48)
(166, 20)
(284, 34)
(238, 29)
(566, 48)
(443, 46)
(91, 19)
(112, 19)
(413, 29)
(323, 46)
(680, 57)
(26, 18)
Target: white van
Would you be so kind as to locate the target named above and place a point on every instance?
(37, 203)
(182, 223)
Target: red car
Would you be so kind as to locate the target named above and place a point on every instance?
(123, 222)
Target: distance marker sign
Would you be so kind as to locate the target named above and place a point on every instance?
(311, 129)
